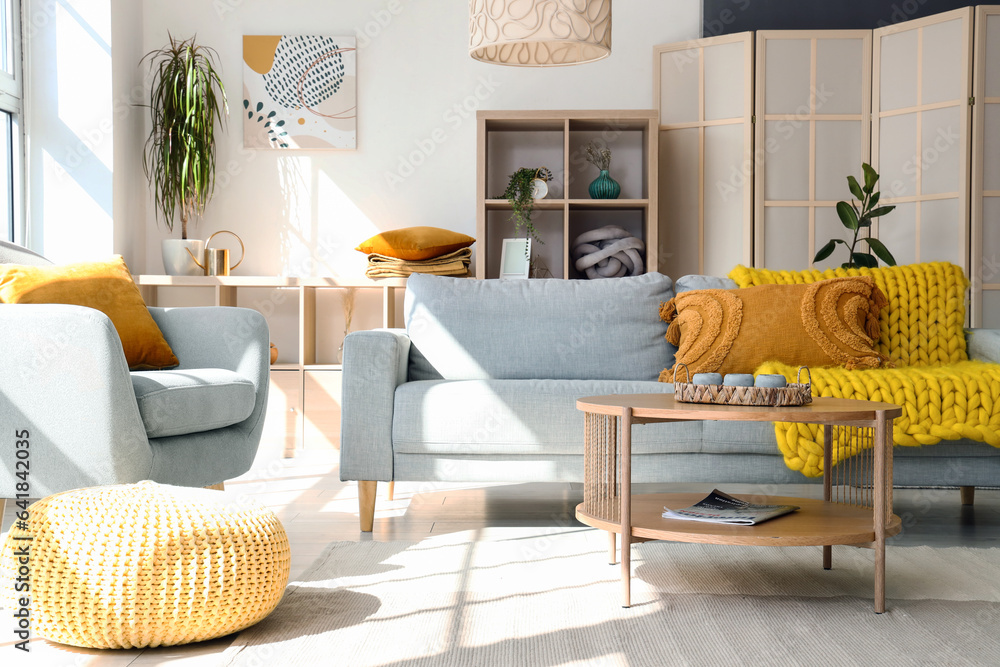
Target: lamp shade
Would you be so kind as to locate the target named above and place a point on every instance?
(539, 33)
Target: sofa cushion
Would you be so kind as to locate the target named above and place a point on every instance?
(697, 281)
(537, 329)
(518, 417)
(924, 322)
(192, 400)
(826, 323)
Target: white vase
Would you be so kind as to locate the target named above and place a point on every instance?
(177, 261)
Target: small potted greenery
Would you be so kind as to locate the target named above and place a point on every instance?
(524, 187)
(857, 216)
(186, 101)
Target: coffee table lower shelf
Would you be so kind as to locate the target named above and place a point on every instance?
(817, 523)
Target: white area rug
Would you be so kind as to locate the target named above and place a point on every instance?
(508, 600)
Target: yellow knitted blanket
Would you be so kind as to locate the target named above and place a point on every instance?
(949, 402)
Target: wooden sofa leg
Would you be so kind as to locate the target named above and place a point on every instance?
(221, 486)
(366, 504)
(968, 494)
(390, 493)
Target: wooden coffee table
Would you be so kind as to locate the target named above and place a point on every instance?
(857, 496)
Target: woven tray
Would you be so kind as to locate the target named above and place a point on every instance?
(795, 393)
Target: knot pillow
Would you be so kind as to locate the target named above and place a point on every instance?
(827, 323)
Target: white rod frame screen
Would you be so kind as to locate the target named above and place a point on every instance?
(985, 249)
(912, 163)
(788, 122)
(716, 174)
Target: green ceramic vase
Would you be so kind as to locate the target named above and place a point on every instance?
(605, 187)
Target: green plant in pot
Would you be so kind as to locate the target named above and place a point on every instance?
(522, 190)
(857, 216)
(186, 101)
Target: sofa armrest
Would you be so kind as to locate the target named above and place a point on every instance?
(983, 344)
(64, 380)
(375, 363)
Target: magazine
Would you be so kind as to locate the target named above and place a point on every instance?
(719, 507)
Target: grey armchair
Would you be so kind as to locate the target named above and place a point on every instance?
(90, 421)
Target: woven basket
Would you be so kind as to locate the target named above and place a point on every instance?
(145, 564)
(794, 393)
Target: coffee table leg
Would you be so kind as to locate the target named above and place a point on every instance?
(625, 457)
(883, 440)
(827, 484)
(612, 548)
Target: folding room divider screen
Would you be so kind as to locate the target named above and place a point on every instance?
(704, 91)
(813, 100)
(920, 132)
(986, 167)
(918, 100)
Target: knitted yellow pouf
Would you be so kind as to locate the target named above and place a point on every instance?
(146, 565)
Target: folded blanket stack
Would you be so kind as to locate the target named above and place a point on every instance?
(449, 264)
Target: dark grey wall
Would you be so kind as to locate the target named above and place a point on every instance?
(728, 16)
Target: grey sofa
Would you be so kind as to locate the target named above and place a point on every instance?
(64, 381)
(483, 382)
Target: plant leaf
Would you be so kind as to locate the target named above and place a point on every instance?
(874, 199)
(847, 215)
(871, 177)
(880, 211)
(852, 183)
(879, 249)
(825, 251)
(864, 259)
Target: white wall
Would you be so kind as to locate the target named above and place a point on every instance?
(302, 213)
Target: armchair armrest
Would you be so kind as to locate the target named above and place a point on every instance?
(64, 380)
(983, 344)
(375, 363)
(235, 339)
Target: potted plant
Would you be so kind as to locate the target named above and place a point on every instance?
(186, 100)
(857, 216)
(524, 187)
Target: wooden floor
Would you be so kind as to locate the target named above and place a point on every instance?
(316, 508)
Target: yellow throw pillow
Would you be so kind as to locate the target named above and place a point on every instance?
(924, 323)
(415, 243)
(105, 286)
(832, 322)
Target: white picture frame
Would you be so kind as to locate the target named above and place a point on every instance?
(515, 258)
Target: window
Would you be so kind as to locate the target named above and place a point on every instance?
(11, 140)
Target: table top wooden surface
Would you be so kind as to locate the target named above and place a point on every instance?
(663, 407)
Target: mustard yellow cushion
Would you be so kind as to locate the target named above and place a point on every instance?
(832, 322)
(415, 243)
(105, 286)
(924, 322)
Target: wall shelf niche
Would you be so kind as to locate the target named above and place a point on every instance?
(509, 140)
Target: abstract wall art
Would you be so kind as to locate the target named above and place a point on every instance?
(299, 92)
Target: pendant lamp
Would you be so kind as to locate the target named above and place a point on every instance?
(539, 33)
